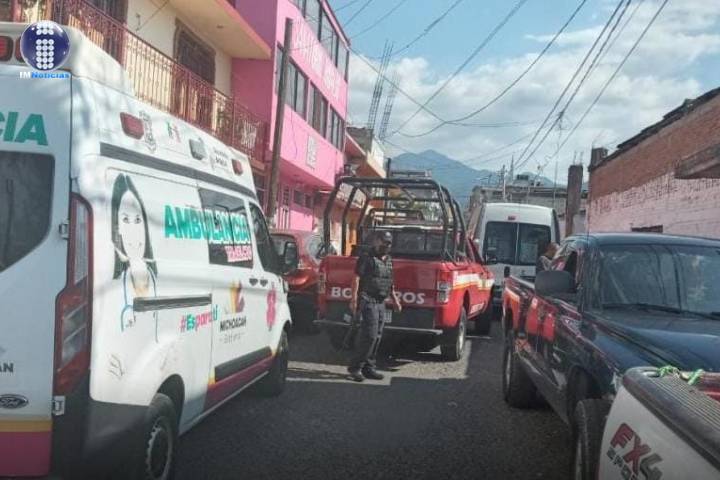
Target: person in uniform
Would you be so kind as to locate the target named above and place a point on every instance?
(372, 287)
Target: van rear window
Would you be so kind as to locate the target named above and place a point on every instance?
(26, 181)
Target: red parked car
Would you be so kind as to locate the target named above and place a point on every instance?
(302, 282)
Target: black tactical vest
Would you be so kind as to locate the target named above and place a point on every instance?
(378, 284)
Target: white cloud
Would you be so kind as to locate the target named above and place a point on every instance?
(654, 81)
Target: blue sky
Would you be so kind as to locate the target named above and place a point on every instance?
(679, 58)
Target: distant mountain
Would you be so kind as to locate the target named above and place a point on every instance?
(459, 178)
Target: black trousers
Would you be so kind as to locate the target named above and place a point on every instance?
(372, 321)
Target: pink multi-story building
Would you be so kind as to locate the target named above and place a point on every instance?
(313, 140)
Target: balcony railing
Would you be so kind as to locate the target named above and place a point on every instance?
(162, 82)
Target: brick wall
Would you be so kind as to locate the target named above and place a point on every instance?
(636, 188)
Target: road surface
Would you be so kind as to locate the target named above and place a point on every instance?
(427, 419)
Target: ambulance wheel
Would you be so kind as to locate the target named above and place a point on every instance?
(156, 461)
(455, 347)
(273, 384)
(483, 322)
(590, 416)
(518, 389)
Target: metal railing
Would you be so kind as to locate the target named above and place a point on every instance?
(164, 83)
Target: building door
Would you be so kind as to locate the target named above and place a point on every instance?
(193, 99)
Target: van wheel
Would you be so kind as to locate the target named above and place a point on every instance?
(483, 322)
(273, 384)
(454, 349)
(160, 433)
(588, 426)
(518, 389)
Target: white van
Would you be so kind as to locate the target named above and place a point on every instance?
(509, 236)
(139, 284)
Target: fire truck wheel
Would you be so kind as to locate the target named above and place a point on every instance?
(518, 389)
(590, 416)
(483, 322)
(454, 342)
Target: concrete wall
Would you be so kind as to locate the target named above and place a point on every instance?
(636, 188)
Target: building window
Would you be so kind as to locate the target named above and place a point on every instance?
(189, 99)
(297, 84)
(260, 188)
(194, 55)
(298, 198)
(343, 59)
(328, 37)
(336, 132)
(308, 201)
(318, 111)
(312, 15)
(653, 229)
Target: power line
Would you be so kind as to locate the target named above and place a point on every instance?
(465, 63)
(380, 19)
(429, 28)
(601, 51)
(396, 85)
(614, 75)
(360, 10)
(522, 160)
(511, 85)
(350, 4)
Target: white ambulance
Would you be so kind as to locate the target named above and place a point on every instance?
(139, 284)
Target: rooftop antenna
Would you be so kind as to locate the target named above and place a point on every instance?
(389, 103)
(379, 84)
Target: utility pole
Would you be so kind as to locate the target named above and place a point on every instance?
(279, 121)
(555, 183)
(502, 176)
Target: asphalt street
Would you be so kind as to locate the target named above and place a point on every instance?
(426, 419)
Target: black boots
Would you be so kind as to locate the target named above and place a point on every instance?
(372, 374)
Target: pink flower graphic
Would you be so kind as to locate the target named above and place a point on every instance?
(271, 310)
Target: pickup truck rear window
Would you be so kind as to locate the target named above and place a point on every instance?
(26, 181)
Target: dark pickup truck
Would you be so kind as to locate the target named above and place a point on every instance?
(609, 303)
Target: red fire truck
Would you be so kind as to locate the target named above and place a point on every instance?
(438, 273)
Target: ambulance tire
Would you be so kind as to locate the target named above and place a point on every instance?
(518, 389)
(273, 384)
(156, 459)
(587, 429)
(483, 322)
(453, 345)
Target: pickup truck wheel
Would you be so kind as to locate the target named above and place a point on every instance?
(518, 389)
(483, 322)
(455, 347)
(273, 384)
(590, 416)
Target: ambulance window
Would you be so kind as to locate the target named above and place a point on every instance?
(26, 186)
(227, 229)
(265, 245)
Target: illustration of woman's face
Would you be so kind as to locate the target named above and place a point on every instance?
(131, 226)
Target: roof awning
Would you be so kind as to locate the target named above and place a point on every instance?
(704, 164)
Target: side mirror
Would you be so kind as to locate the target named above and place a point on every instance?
(554, 283)
(290, 258)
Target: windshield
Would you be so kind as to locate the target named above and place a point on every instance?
(515, 243)
(25, 198)
(680, 278)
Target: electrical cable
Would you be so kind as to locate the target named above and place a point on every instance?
(510, 86)
(522, 160)
(465, 63)
(426, 31)
(382, 18)
(615, 73)
(350, 4)
(600, 53)
(360, 10)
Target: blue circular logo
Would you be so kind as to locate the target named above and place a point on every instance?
(45, 46)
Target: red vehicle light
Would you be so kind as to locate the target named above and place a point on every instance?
(18, 53)
(132, 126)
(6, 48)
(73, 306)
(237, 167)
